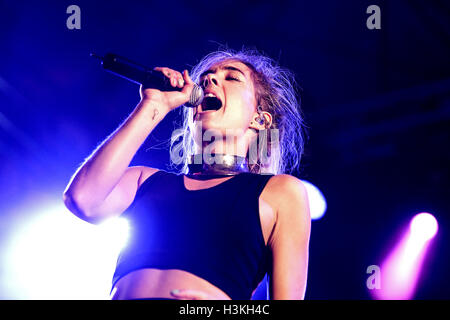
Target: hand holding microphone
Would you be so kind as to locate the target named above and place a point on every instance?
(164, 85)
(178, 89)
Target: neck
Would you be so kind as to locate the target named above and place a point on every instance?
(224, 156)
(217, 165)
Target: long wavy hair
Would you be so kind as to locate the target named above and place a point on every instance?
(276, 93)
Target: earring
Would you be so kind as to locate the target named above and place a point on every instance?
(260, 120)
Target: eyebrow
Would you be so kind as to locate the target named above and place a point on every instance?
(222, 68)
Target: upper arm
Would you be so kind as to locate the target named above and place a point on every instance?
(290, 240)
(122, 195)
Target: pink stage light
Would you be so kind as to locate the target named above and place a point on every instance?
(424, 226)
(400, 271)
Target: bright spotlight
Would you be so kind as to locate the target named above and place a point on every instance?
(424, 226)
(401, 269)
(58, 256)
(317, 202)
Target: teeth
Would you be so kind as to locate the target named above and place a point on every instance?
(208, 95)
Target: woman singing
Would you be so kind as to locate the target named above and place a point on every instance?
(232, 215)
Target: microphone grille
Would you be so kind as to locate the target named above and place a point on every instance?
(196, 97)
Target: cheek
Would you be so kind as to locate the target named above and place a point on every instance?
(240, 118)
(249, 105)
(247, 96)
(242, 104)
(250, 100)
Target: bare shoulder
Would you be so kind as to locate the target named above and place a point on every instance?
(286, 192)
(285, 185)
(144, 172)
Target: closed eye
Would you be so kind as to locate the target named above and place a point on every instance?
(233, 78)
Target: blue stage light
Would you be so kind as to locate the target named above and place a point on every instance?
(55, 255)
(317, 202)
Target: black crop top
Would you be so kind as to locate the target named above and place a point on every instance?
(214, 233)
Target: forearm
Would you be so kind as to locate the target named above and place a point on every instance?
(102, 170)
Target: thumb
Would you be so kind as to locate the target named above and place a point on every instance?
(188, 83)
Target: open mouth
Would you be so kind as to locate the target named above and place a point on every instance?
(211, 102)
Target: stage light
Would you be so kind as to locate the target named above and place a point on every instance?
(401, 269)
(424, 226)
(55, 255)
(317, 202)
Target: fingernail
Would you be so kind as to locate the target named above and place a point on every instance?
(180, 82)
(176, 291)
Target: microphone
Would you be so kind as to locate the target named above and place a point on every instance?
(142, 75)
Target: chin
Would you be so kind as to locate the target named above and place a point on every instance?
(221, 126)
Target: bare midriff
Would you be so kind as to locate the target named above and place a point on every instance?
(157, 283)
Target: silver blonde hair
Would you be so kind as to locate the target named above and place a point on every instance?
(275, 90)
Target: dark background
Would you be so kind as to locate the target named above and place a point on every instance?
(377, 103)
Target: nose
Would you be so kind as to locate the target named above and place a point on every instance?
(209, 79)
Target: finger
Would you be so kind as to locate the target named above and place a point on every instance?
(177, 80)
(163, 70)
(173, 81)
(167, 71)
(180, 82)
(189, 294)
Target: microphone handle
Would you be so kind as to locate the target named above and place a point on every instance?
(144, 76)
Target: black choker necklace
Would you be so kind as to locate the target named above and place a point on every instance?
(217, 165)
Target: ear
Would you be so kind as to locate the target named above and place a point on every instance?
(260, 121)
